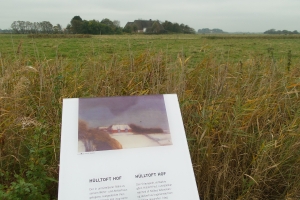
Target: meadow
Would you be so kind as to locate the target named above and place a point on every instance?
(239, 98)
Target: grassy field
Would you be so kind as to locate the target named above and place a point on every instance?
(239, 97)
(223, 49)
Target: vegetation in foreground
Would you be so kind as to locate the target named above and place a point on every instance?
(241, 118)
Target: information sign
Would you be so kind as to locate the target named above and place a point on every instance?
(118, 148)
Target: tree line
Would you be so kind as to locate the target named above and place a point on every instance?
(177, 28)
(79, 26)
(106, 26)
(161, 28)
(207, 30)
(26, 27)
(95, 27)
(274, 31)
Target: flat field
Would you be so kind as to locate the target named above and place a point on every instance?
(224, 48)
(239, 97)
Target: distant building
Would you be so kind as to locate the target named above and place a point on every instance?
(145, 26)
(103, 128)
(119, 128)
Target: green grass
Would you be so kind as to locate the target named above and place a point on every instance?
(239, 99)
(223, 49)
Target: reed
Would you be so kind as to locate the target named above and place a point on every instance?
(241, 120)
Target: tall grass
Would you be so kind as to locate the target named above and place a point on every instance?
(241, 119)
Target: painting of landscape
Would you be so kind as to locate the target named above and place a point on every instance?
(122, 122)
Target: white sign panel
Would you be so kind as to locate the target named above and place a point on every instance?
(118, 148)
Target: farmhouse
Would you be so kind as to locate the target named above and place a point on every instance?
(119, 128)
(145, 26)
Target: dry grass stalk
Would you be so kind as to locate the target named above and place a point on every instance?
(242, 125)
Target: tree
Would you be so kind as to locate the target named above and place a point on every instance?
(168, 26)
(118, 30)
(116, 23)
(57, 28)
(21, 26)
(105, 29)
(109, 26)
(68, 29)
(94, 27)
(128, 29)
(28, 27)
(155, 27)
(46, 27)
(36, 27)
(271, 31)
(85, 27)
(76, 24)
(14, 27)
(176, 28)
(107, 22)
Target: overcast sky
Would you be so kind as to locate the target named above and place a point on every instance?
(228, 15)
